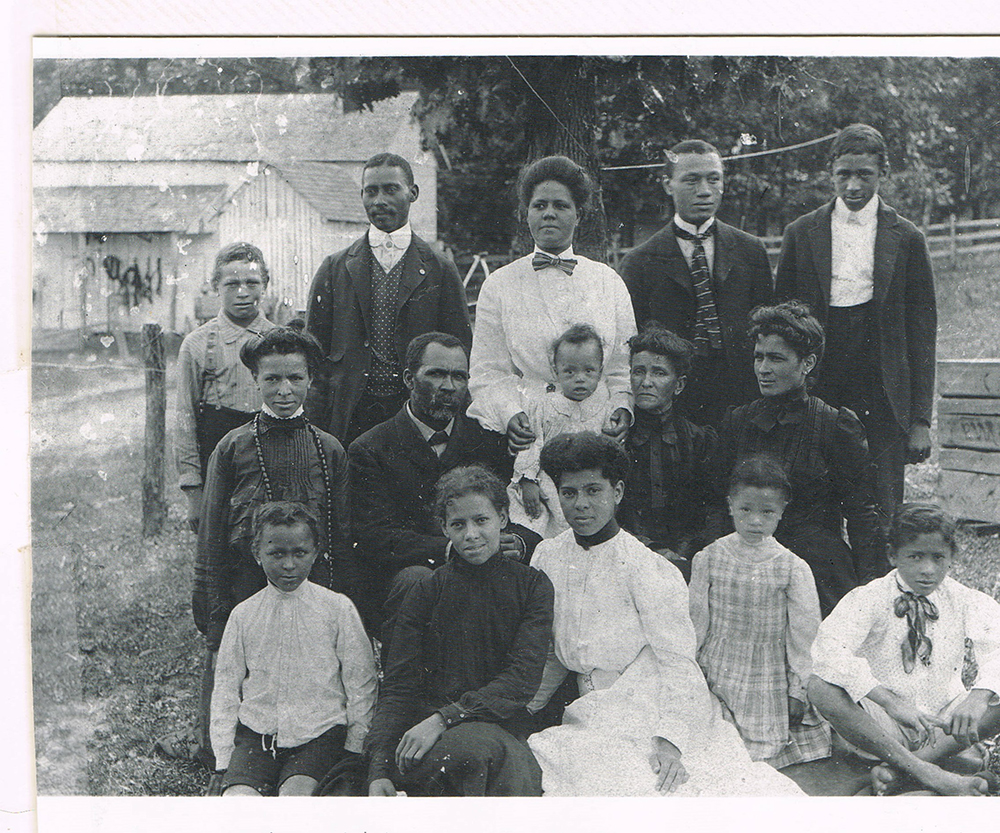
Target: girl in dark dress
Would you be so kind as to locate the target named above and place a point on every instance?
(823, 449)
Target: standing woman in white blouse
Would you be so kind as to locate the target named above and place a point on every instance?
(524, 306)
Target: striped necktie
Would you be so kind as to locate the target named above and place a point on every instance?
(707, 333)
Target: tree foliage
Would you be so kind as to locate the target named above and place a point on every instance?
(486, 116)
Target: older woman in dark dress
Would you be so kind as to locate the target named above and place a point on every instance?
(823, 449)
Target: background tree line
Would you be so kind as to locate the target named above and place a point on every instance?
(485, 116)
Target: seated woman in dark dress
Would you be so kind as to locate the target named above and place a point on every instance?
(823, 449)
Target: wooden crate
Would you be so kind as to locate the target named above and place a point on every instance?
(966, 459)
(969, 378)
(969, 436)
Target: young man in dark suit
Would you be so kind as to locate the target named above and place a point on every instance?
(368, 301)
(866, 273)
(700, 278)
(394, 467)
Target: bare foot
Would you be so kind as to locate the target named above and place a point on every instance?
(948, 783)
(884, 779)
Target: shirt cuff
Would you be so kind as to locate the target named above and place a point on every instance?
(380, 767)
(453, 714)
(355, 738)
(675, 731)
(621, 400)
(858, 687)
(222, 757)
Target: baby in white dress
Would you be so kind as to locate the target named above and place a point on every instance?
(581, 402)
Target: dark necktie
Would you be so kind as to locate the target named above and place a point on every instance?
(918, 610)
(438, 438)
(541, 260)
(706, 327)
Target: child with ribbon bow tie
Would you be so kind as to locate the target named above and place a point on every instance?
(888, 662)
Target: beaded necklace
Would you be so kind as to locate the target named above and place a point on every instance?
(268, 493)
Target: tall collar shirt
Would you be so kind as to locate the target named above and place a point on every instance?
(858, 646)
(389, 247)
(852, 237)
(687, 246)
(427, 432)
(293, 665)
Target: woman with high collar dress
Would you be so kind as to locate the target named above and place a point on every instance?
(823, 449)
(524, 306)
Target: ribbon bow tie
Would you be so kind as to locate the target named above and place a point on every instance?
(684, 234)
(918, 610)
(541, 260)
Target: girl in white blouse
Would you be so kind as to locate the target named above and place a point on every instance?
(644, 723)
(524, 306)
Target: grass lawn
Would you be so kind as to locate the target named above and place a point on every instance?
(115, 653)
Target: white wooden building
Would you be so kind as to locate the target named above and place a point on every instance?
(133, 197)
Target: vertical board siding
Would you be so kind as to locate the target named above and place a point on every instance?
(288, 230)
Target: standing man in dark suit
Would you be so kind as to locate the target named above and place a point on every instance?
(393, 469)
(700, 278)
(866, 273)
(368, 301)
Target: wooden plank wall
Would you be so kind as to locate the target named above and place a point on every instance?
(288, 230)
(969, 435)
(72, 289)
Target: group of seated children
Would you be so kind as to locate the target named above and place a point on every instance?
(295, 676)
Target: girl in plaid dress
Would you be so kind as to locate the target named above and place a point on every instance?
(755, 612)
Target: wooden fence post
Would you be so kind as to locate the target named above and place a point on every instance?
(952, 240)
(154, 507)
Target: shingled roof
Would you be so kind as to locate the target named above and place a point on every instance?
(293, 127)
(328, 188)
(121, 208)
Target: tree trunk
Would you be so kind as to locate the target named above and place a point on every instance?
(569, 86)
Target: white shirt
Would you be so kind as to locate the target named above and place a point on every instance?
(520, 312)
(389, 247)
(858, 644)
(852, 236)
(427, 432)
(612, 601)
(293, 665)
(687, 246)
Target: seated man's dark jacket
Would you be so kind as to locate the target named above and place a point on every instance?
(470, 643)
(392, 472)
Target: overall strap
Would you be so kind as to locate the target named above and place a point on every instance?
(208, 371)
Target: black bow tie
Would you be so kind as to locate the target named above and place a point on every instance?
(438, 438)
(684, 234)
(541, 260)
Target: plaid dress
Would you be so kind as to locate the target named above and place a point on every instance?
(756, 612)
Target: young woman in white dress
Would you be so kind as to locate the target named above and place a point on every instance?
(644, 723)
